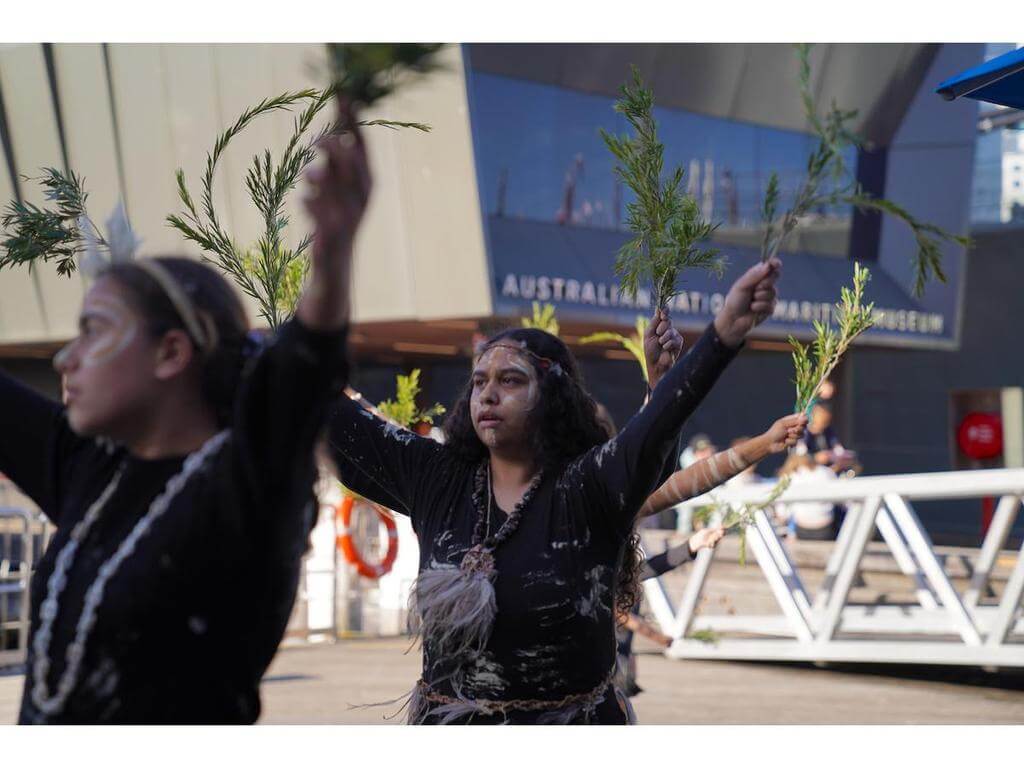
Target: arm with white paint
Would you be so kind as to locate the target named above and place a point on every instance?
(709, 473)
(378, 459)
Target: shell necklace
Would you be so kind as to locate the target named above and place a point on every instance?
(41, 696)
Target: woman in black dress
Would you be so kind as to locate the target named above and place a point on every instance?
(524, 516)
(180, 488)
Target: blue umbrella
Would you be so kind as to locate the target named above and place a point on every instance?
(999, 81)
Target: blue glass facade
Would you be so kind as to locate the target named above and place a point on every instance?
(554, 213)
(534, 141)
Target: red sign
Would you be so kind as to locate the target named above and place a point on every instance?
(980, 435)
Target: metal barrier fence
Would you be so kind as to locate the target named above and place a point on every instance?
(944, 627)
(23, 537)
(331, 600)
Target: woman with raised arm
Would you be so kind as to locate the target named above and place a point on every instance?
(524, 515)
(180, 488)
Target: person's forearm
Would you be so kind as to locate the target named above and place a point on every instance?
(672, 558)
(642, 628)
(706, 474)
(324, 304)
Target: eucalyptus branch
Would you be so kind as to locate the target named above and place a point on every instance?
(543, 319)
(739, 518)
(666, 222)
(632, 344)
(32, 234)
(928, 236)
(814, 363)
(826, 166)
(269, 272)
(365, 72)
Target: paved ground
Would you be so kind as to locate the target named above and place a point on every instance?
(315, 684)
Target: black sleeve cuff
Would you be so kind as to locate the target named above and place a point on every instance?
(326, 349)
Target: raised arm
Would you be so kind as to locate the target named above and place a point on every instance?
(32, 428)
(285, 397)
(625, 470)
(378, 459)
(711, 472)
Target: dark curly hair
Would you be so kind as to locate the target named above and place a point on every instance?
(565, 426)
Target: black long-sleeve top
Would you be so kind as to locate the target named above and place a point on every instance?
(190, 621)
(554, 632)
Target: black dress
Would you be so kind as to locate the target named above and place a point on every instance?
(190, 621)
(554, 633)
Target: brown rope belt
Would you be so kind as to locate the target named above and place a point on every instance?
(495, 706)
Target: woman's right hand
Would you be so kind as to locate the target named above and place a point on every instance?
(784, 433)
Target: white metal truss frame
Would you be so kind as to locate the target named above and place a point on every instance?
(944, 627)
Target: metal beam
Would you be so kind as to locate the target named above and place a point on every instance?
(864, 527)
(1000, 630)
(995, 539)
(777, 582)
(898, 547)
(921, 545)
(865, 651)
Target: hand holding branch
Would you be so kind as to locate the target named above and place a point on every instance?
(337, 200)
(750, 300)
(662, 345)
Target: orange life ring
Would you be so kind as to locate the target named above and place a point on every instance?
(347, 546)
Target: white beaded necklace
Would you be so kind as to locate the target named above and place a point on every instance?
(41, 697)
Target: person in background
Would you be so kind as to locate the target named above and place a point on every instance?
(822, 444)
(700, 447)
(808, 520)
(631, 623)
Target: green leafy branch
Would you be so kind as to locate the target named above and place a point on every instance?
(739, 518)
(33, 234)
(269, 272)
(814, 363)
(366, 72)
(543, 319)
(708, 636)
(403, 409)
(632, 344)
(666, 223)
(828, 182)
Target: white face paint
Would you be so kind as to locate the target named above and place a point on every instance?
(506, 390)
(106, 371)
(106, 328)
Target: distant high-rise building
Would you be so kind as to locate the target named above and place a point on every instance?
(1012, 204)
(998, 165)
